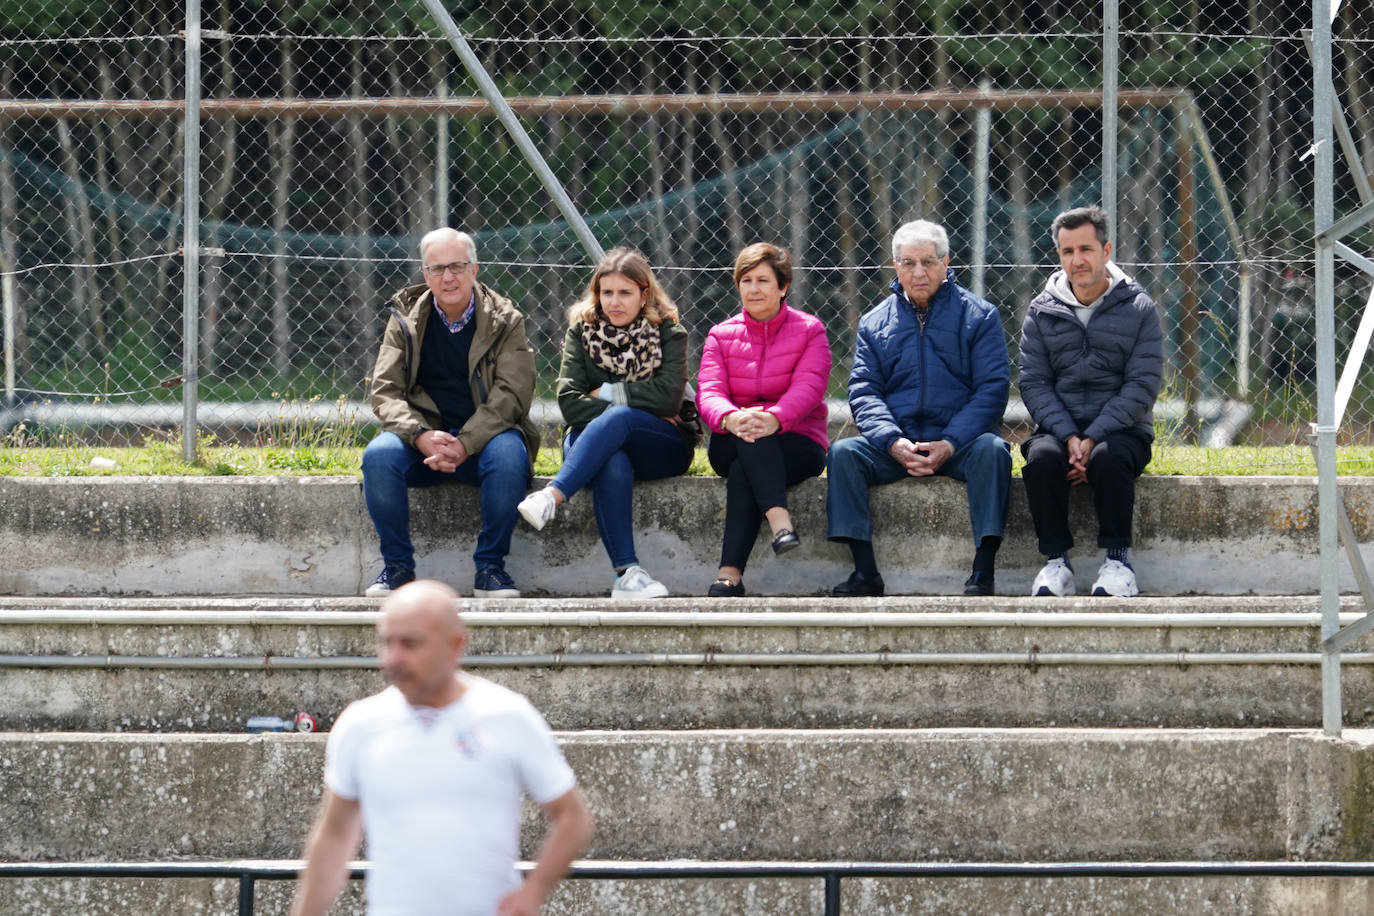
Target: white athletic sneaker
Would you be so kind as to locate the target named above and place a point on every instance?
(1055, 578)
(538, 508)
(1115, 579)
(636, 583)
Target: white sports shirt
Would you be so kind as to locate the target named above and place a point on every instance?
(440, 794)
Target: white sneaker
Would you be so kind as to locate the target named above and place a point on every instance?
(1115, 579)
(538, 508)
(636, 583)
(1055, 578)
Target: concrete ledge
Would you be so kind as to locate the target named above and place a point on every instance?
(705, 897)
(1225, 662)
(311, 536)
(996, 795)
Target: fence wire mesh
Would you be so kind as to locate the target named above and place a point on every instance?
(333, 135)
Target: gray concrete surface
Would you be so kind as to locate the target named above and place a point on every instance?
(311, 536)
(989, 668)
(867, 896)
(922, 795)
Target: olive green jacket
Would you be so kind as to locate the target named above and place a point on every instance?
(500, 371)
(660, 394)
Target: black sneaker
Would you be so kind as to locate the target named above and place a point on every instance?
(494, 582)
(388, 580)
(859, 586)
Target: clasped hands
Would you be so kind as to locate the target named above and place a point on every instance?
(1080, 449)
(443, 451)
(751, 423)
(921, 459)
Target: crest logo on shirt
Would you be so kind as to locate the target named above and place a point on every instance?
(467, 743)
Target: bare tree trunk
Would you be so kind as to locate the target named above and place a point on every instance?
(1011, 152)
(81, 234)
(107, 135)
(214, 200)
(663, 253)
(687, 237)
(876, 172)
(281, 137)
(410, 142)
(362, 291)
(733, 218)
(1356, 91)
(9, 216)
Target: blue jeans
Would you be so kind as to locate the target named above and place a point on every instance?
(500, 470)
(610, 453)
(857, 464)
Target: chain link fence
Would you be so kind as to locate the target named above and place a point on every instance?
(333, 135)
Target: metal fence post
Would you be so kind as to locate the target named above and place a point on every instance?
(11, 325)
(1111, 39)
(982, 132)
(190, 236)
(246, 887)
(1324, 292)
(832, 893)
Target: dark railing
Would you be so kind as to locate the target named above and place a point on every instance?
(248, 873)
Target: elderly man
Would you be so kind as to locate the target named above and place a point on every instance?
(927, 391)
(452, 387)
(1091, 361)
(432, 771)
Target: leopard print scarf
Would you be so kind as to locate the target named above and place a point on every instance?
(630, 353)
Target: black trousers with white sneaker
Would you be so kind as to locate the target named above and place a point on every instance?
(1113, 466)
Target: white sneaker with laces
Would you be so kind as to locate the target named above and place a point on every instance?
(538, 508)
(1055, 578)
(1115, 579)
(636, 583)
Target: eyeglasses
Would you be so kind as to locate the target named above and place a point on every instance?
(438, 270)
(925, 263)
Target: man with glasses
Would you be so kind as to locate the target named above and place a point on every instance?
(927, 391)
(452, 386)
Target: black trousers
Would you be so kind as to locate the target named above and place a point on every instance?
(757, 475)
(1113, 466)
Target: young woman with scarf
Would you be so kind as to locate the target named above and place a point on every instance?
(620, 388)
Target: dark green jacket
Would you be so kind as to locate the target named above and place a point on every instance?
(660, 394)
(500, 371)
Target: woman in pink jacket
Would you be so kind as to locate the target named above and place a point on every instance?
(761, 391)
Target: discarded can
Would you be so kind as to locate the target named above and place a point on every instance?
(301, 722)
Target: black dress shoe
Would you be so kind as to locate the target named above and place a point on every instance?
(980, 583)
(724, 588)
(786, 540)
(859, 586)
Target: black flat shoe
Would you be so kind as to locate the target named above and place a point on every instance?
(980, 583)
(724, 588)
(786, 540)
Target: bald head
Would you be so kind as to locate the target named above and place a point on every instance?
(421, 640)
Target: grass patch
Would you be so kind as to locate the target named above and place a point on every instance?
(163, 458)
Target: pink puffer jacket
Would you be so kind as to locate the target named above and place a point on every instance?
(782, 364)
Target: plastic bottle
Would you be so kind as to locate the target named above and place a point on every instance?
(300, 722)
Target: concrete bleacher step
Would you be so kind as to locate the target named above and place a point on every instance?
(752, 794)
(200, 665)
(293, 536)
(872, 896)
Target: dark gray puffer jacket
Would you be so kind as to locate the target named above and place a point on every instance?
(1097, 380)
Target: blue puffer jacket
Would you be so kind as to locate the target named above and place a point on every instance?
(949, 381)
(1097, 380)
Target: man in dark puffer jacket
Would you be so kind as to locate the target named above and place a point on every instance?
(1091, 360)
(927, 391)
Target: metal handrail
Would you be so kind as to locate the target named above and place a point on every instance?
(248, 873)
